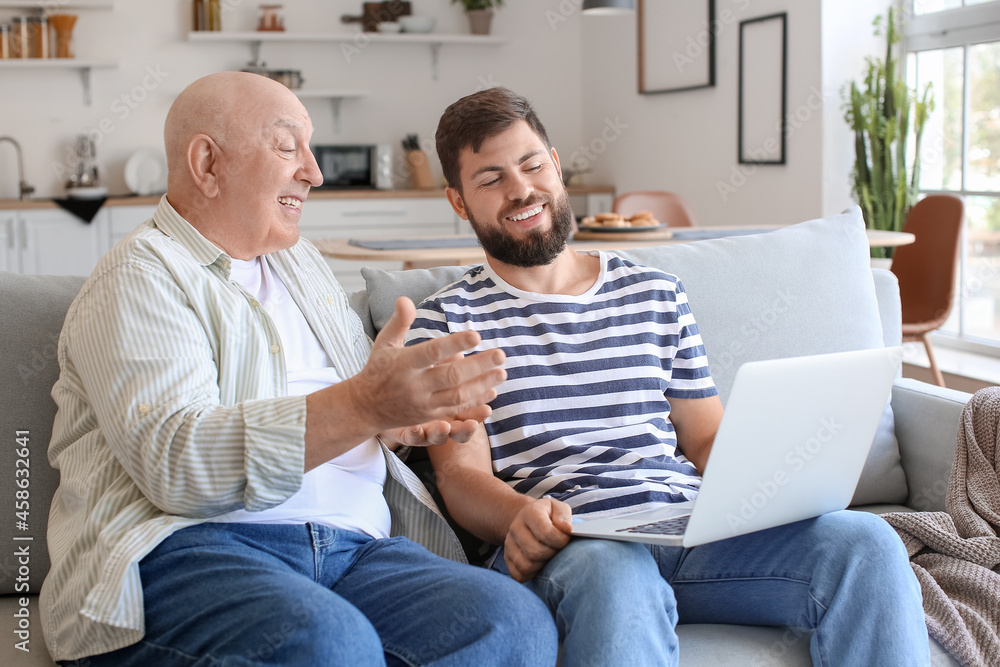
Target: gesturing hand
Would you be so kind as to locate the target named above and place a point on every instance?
(431, 384)
(538, 532)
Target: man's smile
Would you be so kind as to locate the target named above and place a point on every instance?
(524, 215)
(527, 217)
(291, 202)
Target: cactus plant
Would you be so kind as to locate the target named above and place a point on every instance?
(880, 112)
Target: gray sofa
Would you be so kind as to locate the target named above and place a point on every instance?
(806, 289)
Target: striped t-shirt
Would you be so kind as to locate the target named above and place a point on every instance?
(584, 415)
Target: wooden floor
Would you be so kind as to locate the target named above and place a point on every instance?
(951, 380)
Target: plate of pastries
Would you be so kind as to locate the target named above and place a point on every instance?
(643, 221)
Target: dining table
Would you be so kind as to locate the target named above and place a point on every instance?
(459, 250)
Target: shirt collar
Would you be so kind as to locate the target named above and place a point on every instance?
(171, 223)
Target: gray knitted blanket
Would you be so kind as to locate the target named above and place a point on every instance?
(956, 554)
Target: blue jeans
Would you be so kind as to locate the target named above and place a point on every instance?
(843, 577)
(246, 594)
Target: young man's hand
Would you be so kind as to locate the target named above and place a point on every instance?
(539, 531)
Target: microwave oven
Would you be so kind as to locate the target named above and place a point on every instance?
(355, 166)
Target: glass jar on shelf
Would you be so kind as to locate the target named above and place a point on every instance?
(19, 37)
(62, 31)
(271, 18)
(4, 41)
(38, 37)
(214, 15)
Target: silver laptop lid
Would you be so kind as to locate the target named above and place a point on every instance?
(828, 408)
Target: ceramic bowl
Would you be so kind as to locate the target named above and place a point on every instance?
(416, 23)
(389, 26)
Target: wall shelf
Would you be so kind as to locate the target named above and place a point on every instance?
(357, 40)
(335, 97)
(64, 5)
(85, 66)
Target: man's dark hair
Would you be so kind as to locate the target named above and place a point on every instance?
(475, 118)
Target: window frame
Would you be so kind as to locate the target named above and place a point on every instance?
(952, 28)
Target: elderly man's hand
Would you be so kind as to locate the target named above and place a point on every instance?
(432, 385)
(459, 429)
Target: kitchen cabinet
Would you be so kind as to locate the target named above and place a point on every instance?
(55, 242)
(123, 219)
(370, 218)
(335, 218)
(9, 243)
(49, 240)
(39, 237)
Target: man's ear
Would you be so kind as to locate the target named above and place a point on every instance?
(203, 163)
(555, 159)
(456, 201)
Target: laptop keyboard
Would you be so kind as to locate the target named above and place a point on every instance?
(673, 526)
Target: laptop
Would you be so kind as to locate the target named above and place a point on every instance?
(791, 446)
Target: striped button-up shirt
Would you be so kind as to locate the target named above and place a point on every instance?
(172, 409)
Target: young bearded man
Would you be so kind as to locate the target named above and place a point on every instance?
(609, 407)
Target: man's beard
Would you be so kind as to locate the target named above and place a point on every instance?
(538, 248)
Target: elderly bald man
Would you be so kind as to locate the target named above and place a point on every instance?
(227, 490)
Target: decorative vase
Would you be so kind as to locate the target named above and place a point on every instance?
(479, 21)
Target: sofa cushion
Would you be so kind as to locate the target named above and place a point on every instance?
(384, 287)
(34, 308)
(805, 289)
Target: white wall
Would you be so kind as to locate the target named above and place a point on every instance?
(579, 71)
(848, 38)
(44, 110)
(687, 142)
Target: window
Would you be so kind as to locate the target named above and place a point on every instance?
(955, 46)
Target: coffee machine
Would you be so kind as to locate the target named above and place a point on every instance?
(86, 177)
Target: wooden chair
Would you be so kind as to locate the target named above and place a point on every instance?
(666, 207)
(926, 268)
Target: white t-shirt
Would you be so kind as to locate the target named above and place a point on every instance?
(345, 492)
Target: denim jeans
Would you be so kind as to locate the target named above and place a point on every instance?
(842, 581)
(251, 594)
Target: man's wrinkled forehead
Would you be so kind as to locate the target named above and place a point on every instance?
(286, 124)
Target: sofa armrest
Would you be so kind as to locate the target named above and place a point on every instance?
(927, 419)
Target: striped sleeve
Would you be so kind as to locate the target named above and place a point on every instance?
(690, 376)
(154, 389)
(431, 322)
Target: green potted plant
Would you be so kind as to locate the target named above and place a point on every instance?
(480, 13)
(882, 112)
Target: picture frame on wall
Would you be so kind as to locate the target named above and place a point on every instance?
(676, 45)
(763, 89)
